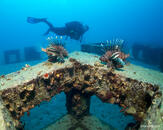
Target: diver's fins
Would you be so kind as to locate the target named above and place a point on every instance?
(33, 20)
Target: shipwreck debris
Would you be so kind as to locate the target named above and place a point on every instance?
(80, 81)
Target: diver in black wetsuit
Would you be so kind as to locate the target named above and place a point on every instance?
(74, 29)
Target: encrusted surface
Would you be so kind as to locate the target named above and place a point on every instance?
(45, 80)
(26, 74)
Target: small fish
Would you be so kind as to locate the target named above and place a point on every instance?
(43, 49)
(27, 65)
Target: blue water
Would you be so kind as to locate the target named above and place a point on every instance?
(49, 112)
(135, 21)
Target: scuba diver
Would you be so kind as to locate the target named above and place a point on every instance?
(74, 29)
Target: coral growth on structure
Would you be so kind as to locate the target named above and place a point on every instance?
(80, 82)
(114, 57)
(55, 51)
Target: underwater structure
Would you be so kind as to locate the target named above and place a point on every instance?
(9, 54)
(149, 55)
(102, 47)
(29, 53)
(80, 76)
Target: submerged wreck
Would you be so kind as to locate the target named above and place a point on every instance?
(79, 79)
